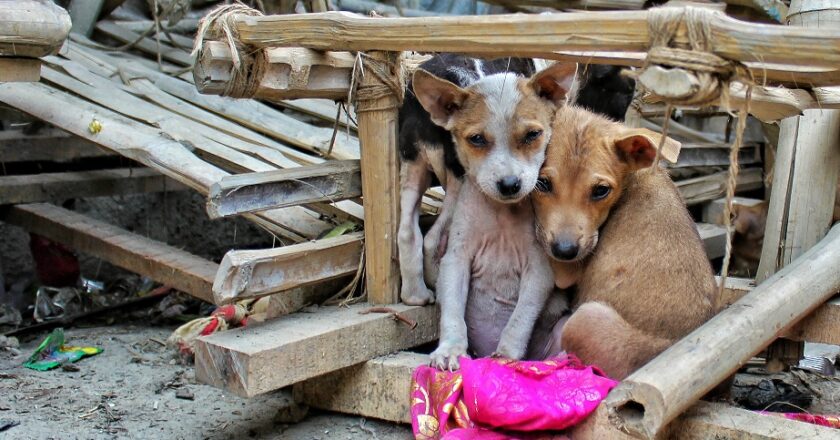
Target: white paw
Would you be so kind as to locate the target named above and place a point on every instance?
(509, 351)
(447, 354)
(417, 296)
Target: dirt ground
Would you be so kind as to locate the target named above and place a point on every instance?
(129, 392)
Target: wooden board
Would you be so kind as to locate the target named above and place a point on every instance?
(75, 184)
(32, 28)
(714, 239)
(253, 273)
(250, 361)
(158, 261)
(49, 144)
(329, 182)
(702, 189)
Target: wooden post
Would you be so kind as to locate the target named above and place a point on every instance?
(377, 120)
(804, 181)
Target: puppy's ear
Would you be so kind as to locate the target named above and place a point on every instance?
(438, 96)
(637, 147)
(554, 82)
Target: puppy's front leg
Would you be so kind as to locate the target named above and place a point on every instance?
(453, 288)
(535, 286)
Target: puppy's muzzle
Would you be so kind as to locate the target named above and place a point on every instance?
(565, 249)
(509, 186)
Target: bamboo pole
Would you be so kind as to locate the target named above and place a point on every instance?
(511, 35)
(654, 395)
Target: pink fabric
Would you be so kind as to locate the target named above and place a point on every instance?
(492, 399)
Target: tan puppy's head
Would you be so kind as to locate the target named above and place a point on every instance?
(500, 124)
(587, 161)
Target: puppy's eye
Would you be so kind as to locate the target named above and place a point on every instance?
(599, 192)
(477, 140)
(532, 135)
(543, 185)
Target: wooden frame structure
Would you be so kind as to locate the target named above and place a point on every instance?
(342, 350)
(294, 44)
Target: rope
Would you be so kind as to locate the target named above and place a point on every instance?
(390, 82)
(249, 63)
(712, 74)
(730, 187)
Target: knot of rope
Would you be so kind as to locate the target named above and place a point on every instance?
(374, 79)
(705, 75)
(249, 63)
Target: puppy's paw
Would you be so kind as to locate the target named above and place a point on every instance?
(417, 297)
(509, 351)
(447, 354)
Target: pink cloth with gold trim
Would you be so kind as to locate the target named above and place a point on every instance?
(492, 399)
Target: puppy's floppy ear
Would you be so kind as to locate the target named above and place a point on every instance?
(439, 97)
(637, 147)
(554, 82)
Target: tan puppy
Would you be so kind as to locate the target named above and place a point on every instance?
(621, 232)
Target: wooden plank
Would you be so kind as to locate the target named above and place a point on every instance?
(254, 273)
(148, 45)
(328, 182)
(805, 179)
(84, 14)
(713, 211)
(380, 186)
(20, 69)
(511, 35)
(378, 388)
(139, 142)
(49, 144)
(255, 360)
(652, 396)
(701, 189)
(707, 420)
(77, 184)
(158, 261)
(714, 239)
(32, 28)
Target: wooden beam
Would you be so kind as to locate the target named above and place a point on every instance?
(158, 261)
(646, 401)
(32, 28)
(254, 273)
(378, 121)
(20, 69)
(78, 184)
(292, 73)
(378, 388)
(707, 420)
(329, 182)
(704, 188)
(511, 35)
(279, 353)
(49, 144)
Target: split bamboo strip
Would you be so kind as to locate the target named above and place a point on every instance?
(658, 392)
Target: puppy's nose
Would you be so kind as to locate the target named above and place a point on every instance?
(564, 249)
(509, 185)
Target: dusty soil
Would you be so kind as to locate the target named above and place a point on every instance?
(129, 392)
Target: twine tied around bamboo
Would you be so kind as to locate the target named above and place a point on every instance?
(390, 77)
(249, 63)
(707, 77)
